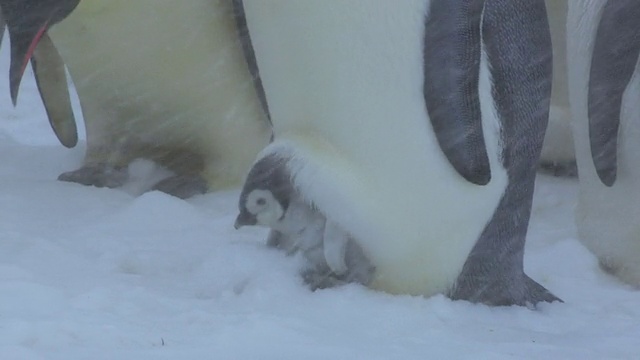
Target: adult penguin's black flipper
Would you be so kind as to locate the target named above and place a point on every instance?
(614, 59)
(51, 79)
(452, 96)
(28, 21)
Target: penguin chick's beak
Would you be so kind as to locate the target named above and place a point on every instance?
(28, 21)
(245, 219)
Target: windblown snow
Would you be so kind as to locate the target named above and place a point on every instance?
(88, 273)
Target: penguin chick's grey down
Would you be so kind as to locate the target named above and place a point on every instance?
(417, 126)
(269, 199)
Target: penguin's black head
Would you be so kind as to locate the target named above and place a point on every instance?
(27, 21)
(266, 193)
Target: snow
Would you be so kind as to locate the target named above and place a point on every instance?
(88, 273)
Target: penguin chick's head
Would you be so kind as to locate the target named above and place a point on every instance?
(266, 193)
(27, 21)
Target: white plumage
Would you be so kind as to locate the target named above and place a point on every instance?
(164, 75)
(348, 108)
(607, 217)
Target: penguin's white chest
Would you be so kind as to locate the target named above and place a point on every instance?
(344, 84)
(607, 217)
(166, 70)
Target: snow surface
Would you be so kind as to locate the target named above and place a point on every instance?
(89, 273)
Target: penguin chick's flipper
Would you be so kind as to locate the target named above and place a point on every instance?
(452, 97)
(99, 175)
(182, 186)
(51, 79)
(518, 44)
(614, 59)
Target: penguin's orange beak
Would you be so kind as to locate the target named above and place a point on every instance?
(27, 21)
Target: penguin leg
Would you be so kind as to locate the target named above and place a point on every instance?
(359, 271)
(107, 158)
(98, 175)
(316, 275)
(188, 167)
(358, 268)
(518, 45)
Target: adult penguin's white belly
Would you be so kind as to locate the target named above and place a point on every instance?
(164, 79)
(607, 146)
(365, 149)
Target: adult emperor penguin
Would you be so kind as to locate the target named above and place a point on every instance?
(604, 45)
(416, 125)
(164, 80)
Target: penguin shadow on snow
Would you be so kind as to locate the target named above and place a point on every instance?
(269, 199)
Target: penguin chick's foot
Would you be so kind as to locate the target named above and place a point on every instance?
(319, 279)
(360, 271)
(99, 175)
(182, 186)
(502, 291)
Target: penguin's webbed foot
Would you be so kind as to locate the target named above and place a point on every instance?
(182, 186)
(535, 293)
(502, 291)
(99, 175)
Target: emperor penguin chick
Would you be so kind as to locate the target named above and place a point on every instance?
(269, 199)
(417, 127)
